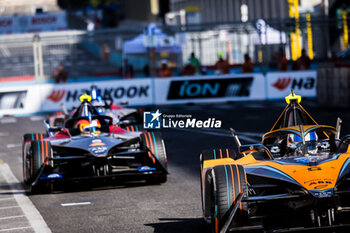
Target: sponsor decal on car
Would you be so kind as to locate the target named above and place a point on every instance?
(146, 168)
(51, 176)
(97, 142)
(98, 147)
(323, 193)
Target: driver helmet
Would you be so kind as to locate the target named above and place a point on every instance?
(295, 143)
(95, 126)
(86, 126)
(82, 124)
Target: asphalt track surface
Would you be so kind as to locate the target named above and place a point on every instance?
(171, 207)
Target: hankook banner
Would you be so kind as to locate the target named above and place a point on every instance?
(131, 91)
(279, 84)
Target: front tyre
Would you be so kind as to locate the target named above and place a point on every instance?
(41, 153)
(228, 181)
(154, 143)
(26, 154)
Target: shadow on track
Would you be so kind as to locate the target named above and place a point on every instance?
(87, 187)
(183, 225)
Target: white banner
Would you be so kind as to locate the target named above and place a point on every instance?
(19, 100)
(279, 84)
(206, 89)
(131, 91)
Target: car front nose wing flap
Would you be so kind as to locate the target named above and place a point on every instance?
(160, 164)
(39, 173)
(226, 226)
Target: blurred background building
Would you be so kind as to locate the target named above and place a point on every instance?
(10, 7)
(100, 37)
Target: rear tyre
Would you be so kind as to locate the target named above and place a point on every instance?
(41, 152)
(153, 142)
(227, 183)
(26, 160)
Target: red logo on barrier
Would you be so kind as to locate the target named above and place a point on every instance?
(56, 95)
(5, 22)
(44, 20)
(282, 83)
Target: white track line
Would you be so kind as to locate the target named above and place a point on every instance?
(8, 120)
(9, 146)
(32, 214)
(11, 217)
(37, 118)
(8, 198)
(9, 207)
(14, 229)
(76, 203)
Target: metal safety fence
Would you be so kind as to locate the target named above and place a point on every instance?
(100, 53)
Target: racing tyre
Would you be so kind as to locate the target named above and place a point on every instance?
(156, 151)
(228, 181)
(41, 152)
(217, 154)
(133, 128)
(27, 139)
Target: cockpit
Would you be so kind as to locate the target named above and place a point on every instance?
(307, 140)
(296, 133)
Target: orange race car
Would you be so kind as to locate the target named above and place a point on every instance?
(298, 178)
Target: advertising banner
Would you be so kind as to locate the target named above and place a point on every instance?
(132, 92)
(47, 22)
(19, 100)
(160, 91)
(210, 89)
(6, 24)
(279, 84)
(33, 23)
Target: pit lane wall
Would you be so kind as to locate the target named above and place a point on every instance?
(29, 99)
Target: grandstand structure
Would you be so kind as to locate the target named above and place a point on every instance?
(20, 53)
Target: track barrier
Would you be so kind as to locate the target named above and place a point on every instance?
(36, 98)
(333, 89)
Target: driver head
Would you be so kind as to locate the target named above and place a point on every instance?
(295, 143)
